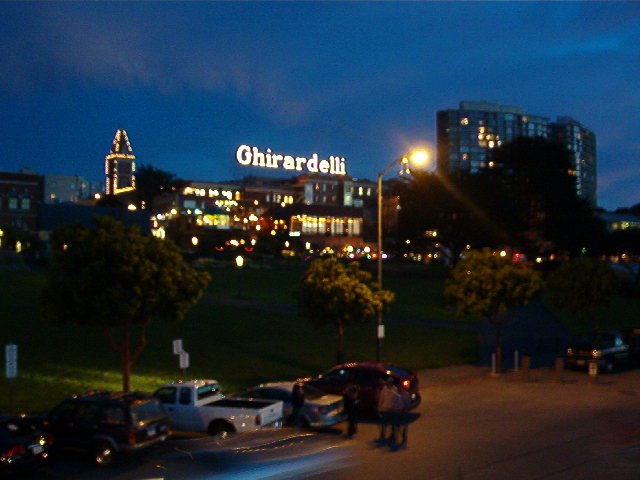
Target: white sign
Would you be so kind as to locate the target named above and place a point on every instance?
(184, 360)
(177, 346)
(11, 360)
(252, 156)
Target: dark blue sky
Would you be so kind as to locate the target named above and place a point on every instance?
(192, 81)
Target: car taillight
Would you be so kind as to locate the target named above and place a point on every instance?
(406, 384)
(131, 437)
(258, 420)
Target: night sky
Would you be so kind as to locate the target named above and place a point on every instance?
(192, 81)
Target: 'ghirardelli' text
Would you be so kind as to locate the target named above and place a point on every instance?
(246, 155)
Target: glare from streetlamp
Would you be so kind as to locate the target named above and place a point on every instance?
(419, 157)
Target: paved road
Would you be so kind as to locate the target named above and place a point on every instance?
(470, 426)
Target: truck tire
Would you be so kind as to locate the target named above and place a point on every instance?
(103, 454)
(220, 428)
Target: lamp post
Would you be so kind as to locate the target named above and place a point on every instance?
(418, 157)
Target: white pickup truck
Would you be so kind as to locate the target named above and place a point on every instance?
(198, 406)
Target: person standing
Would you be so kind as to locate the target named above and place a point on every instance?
(297, 402)
(350, 402)
(403, 415)
(386, 405)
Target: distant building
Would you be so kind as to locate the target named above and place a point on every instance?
(617, 222)
(20, 196)
(466, 136)
(581, 142)
(120, 165)
(66, 188)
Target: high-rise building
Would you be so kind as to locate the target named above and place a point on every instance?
(120, 165)
(582, 145)
(467, 135)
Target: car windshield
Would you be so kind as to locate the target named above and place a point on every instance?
(142, 412)
(596, 341)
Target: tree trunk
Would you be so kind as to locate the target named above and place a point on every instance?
(125, 356)
(340, 352)
(498, 325)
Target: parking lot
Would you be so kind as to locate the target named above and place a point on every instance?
(475, 426)
(470, 425)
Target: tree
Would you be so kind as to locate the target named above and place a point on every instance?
(337, 294)
(487, 284)
(583, 286)
(119, 280)
(151, 182)
(540, 205)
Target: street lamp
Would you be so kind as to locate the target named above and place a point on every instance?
(239, 264)
(418, 157)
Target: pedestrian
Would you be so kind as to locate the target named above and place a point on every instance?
(351, 401)
(386, 409)
(403, 415)
(297, 402)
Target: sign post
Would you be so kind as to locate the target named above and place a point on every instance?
(11, 368)
(183, 357)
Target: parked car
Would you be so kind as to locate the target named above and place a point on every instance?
(198, 406)
(320, 410)
(104, 423)
(22, 446)
(368, 376)
(608, 351)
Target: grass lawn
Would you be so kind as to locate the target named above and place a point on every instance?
(238, 346)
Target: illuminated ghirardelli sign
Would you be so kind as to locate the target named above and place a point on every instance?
(252, 156)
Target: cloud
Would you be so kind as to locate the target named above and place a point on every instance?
(72, 46)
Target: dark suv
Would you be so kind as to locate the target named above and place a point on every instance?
(369, 377)
(103, 423)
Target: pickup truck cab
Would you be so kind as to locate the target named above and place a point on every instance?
(199, 406)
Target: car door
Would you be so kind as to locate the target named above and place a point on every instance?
(189, 414)
(60, 422)
(367, 382)
(168, 396)
(86, 424)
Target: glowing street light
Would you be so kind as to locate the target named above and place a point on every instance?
(417, 157)
(239, 264)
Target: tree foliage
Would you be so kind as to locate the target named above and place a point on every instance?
(489, 285)
(118, 280)
(151, 182)
(337, 294)
(526, 200)
(460, 207)
(583, 286)
(540, 202)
